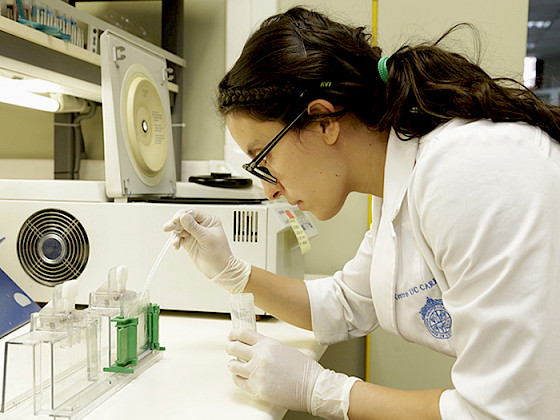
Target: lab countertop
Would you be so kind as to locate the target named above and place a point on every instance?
(192, 380)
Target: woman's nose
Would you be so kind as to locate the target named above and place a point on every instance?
(272, 191)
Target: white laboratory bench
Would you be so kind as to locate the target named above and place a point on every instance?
(191, 380)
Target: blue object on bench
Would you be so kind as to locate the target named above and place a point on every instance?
(15, 306)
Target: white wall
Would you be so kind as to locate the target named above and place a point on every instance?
(26, 133)
(502, 25)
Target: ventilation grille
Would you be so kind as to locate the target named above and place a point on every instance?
(52, 247)
(245, 226)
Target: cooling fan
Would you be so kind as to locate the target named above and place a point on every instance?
(52, 246)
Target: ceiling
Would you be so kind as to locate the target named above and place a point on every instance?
(544, 43)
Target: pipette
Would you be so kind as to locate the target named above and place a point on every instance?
(156, 265)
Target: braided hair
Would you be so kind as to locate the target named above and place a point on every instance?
(301, 55)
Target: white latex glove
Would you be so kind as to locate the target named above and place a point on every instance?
(202, 236)
(282, 375)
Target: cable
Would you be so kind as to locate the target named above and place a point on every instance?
(79, 146)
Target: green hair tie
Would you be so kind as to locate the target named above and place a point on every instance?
(382, 68)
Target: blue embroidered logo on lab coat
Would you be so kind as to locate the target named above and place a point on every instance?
(436, 318)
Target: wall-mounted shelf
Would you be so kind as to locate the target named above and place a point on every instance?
(26, 33)
(29, 53)
(32, 53)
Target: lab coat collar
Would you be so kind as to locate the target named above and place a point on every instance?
(399, 164)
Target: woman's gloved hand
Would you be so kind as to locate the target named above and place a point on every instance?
(203, 237)
(282, 375)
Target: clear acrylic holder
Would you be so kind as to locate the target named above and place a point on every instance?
(70, 360)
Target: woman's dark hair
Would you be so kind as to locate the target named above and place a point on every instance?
(302, 55)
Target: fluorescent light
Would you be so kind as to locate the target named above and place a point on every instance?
(39, 86)
(29, 100)
(530, 72)
(539, 24)
(30, 85)
(22, 93)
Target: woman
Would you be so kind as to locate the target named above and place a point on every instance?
(463, 252)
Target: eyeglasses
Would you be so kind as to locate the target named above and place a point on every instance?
(260, 171)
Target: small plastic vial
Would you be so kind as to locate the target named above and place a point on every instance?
(243, 311)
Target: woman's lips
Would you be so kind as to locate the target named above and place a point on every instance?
(298, 203)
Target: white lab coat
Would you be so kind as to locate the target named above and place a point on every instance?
(464, 257)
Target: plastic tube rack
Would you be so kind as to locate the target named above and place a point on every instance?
(72, 360)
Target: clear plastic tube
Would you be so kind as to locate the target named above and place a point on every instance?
(156, 265)
(242, 308)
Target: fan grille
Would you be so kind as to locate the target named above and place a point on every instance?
(52, 247)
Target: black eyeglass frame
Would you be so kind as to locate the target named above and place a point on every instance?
(260, 171)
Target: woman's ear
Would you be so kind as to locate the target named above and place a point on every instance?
(330, 128)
